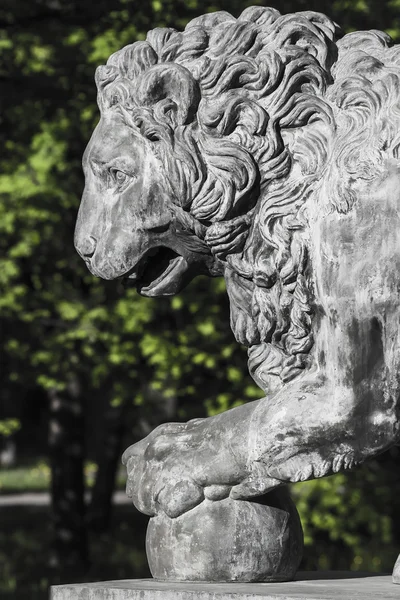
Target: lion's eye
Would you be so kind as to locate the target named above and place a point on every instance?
(119, 178)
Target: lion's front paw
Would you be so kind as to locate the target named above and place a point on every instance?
(161, 471)
(179, 464)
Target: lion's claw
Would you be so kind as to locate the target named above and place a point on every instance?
(179, 498)
(217, 492)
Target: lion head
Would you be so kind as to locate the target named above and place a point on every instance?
(211, 143)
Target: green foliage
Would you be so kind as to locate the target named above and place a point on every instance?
(350, 520)
(34, 478)
(9, 426)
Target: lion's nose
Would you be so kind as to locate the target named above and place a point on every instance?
(88, 247)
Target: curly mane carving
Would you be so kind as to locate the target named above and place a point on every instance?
(255, 116)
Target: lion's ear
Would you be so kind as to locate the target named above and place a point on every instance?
(172, 91)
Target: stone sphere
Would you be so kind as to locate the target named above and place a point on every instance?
(228, 540)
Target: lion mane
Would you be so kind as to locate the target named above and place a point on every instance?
(260, 118)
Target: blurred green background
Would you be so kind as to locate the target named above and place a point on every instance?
(87, 367)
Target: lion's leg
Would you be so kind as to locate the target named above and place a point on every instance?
(312, 428)
(188, 475)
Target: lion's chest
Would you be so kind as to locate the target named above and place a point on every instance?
(356, 270)
(356, 256)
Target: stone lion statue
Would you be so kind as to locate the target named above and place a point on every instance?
(264, 149)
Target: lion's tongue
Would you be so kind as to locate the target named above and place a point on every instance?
(168, 283)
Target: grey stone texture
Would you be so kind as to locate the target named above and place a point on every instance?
(330, 586)
(227, 540)
(263, 149)
(396, 571)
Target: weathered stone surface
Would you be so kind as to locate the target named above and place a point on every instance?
(330, 586)
(264, 149)
(396, 571)
(227, 540)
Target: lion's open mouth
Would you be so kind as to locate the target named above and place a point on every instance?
(159, 272)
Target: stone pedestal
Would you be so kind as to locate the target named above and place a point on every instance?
(228, 541)
(307, 586)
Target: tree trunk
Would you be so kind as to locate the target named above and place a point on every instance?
(100, 509)
(69, 553)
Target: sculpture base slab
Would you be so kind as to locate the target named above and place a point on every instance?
(307, 586)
